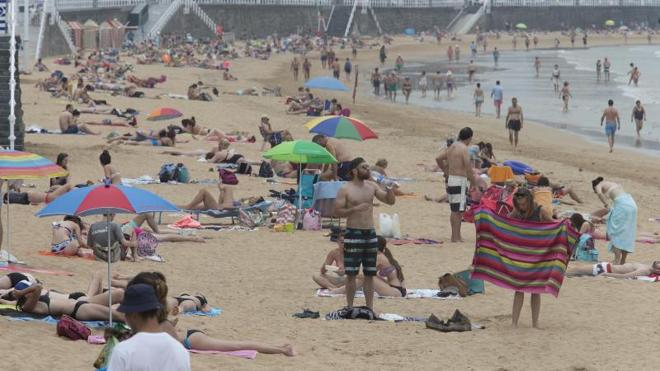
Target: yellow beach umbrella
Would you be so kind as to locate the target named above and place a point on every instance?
(610, 23)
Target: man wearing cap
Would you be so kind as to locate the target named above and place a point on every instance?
(150, 348)
(355, 202)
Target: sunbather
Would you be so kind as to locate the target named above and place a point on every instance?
(195, 339)
(10, 280)
(63, 162)
(109, 172)
(627, 270)
(379, 175)
(35, 198)
(204, 199)
(389, 280)
(67, 237)
(332, 274)
(109, 122)
(132, 231)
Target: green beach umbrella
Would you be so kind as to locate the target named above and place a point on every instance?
(521, 26)
(300, 152)
(610, 23)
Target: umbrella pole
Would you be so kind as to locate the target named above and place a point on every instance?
(109, 256)
(299, 217)
(8, 236)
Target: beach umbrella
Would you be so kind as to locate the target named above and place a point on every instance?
(409, 31)
(521, 26)
(623, 28)
(300, 152)
(25, 165)
(610, 23)
(163, 114)
(325, 83)
(105, 199)
(341, 127)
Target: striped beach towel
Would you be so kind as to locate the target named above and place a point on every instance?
(521, 255)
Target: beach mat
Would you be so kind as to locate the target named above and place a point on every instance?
(15, 315)
(27, 269)
(214, 312)
(50, 253)
(414, 241)
(411, 294)
(247, 354)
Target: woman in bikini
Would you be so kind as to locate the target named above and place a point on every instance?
(109, 172)
(11, 279)
(90, 306)
(63, 162)
(389, 279)
(196, 339)
(34, 198)
(565, 95)
(204, 199)
(67, 237)
(190, 126)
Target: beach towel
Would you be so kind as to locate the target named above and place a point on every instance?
(649, 278)
(414, 241)
(27, 269)
(520, 255)
(89, 256)
(622, 223)
(144, 179)
(26, 317)
(411, 294)
(247, 354)
(214, 312)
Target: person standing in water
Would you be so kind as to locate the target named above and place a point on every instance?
(565, 95)
(450, 84)
(537, 66)
(498, 97)
(634, 74)
(606, 69)
(471, 69)
(406, 88)
(496, 56)
(556, 74)
(375, 81)
(612, 123)
(599, 67)
(478, 100)
(639, 115)
(514, 122)
(423, 83)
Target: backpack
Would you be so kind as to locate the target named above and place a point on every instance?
(171, 172)
(266, 170)
(312, 220)
(244, 168)
(146, 244)
(72, 329)
(227, 177)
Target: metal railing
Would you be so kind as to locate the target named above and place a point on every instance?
(164, 18)
(201, 14)
(574, 3)
(95, 4)
(65, 29)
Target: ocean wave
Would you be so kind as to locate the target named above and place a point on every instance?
(646, 95)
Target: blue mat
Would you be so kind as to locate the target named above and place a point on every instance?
(213, 313)
(53, 321)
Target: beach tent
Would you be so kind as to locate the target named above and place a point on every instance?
(76, 34)
(90, 35)
(105, 35)
(118, 33)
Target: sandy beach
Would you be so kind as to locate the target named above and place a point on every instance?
(261, 278)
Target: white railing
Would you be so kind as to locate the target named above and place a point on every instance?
(164, 18)
(64, 28)
(95, 4)
(328, 3)
(573, 3)
(201, 14)
(350, 18)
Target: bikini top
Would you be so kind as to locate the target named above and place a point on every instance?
(386, 271)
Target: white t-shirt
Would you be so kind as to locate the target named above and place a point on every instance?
(149, 352)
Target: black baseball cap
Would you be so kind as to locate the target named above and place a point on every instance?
(139, 298)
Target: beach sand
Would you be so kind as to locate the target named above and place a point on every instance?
(261, 278)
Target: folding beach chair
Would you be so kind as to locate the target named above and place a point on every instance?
(306, 187)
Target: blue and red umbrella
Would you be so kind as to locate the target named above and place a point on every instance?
(107, 199)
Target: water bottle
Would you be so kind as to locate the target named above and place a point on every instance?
(382, 180)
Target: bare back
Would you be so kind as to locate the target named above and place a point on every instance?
(341, 153)
(611, 114)
(458, 160)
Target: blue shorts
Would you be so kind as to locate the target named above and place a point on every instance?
(73, 129)
(610, 128)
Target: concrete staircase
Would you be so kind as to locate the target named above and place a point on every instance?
(340, 17)
(159, 14)
(468, 18)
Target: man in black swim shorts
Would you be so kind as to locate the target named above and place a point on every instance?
(514, 122)
(355, 202)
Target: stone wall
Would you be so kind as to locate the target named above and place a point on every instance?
(554, 18)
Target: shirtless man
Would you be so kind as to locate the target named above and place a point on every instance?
(406, 88)
(514, 122)
(355, 202)
(537, 66)
(599, 67)
(606, 69)
(612, 122)
(68, 122)
(627, 270)
(332, 274)
(341, 170)
(455, 162)
(472, 69)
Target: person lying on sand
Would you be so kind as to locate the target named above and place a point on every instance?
(204, 199)
(389, 278)
(35, 198)
(627, 270)
(196, 339)
(379, 175)
(91, 306)
(109, 122)
(132, 232)
(68, 238)
(332, 271)
(10, 280)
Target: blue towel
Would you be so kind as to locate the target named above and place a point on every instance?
(622, 223)
(53, 321)
(213, 313)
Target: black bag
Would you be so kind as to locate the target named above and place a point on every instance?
(265, 170)
(244, 168)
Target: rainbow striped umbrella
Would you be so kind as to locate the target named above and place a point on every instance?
(341, 127)
(164, 114)
(26, 165)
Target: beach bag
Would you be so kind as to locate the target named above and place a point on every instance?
(244, 168)
(72, 328)
(102, 252)
(265, 170)
(312, 220)
(385, 224)
(286, 214)
(228, 177)
(182, 174)
(167, 173)
(146, 244)
(250, 218)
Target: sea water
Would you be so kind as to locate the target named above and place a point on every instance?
(537, 96)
